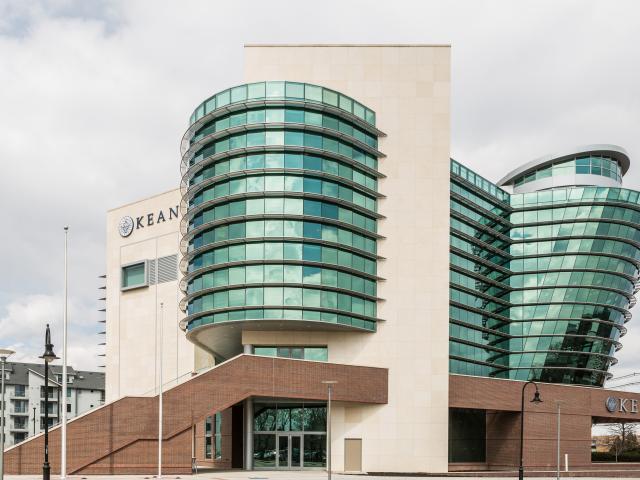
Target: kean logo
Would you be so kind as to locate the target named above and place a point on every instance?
(127, 224)
(621, 405)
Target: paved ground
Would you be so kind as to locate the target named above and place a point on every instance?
(266, 475)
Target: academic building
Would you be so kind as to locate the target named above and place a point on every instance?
(322, 239)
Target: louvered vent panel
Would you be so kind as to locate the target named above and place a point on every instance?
(168, 269)
(152, 272)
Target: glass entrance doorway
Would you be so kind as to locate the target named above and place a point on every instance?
(289, 451)
(289, 435)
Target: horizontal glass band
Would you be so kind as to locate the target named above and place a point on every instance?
(567, 375)
(479, 182)
(285, 115)
(286, 314)
(283, 183)
(575, 261)
(283, 251)
(284, 138)
(282, 296)
(283, 90)
(568, 278)
(283, 273)
(283, 228)
(282, 206)
(287, 161)
(581, 165)
(517, 313)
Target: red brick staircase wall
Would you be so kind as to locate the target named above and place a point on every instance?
(121, 437)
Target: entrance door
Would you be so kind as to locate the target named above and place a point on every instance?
(352, 454)
(283, 451)
(296, 451)
(289, 451)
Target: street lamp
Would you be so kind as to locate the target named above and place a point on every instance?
(559, 404)
(536, 399)
(48, 356)
(329, 384)
(4, 354)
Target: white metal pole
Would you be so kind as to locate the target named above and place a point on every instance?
(2, 360)
(160, 396)
(558, 471)
(63, 442)
(329, 433)
(329, 384)
(4, 354)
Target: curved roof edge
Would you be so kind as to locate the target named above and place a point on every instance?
(617, 153)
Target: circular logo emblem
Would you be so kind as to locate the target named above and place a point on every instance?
(611, 404)
(125, 227)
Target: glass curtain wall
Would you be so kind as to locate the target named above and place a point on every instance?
(281, 188)
(541, 283)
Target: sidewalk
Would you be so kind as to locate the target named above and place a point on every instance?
(265, 475)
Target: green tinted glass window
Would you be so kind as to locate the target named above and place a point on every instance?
(134, 275)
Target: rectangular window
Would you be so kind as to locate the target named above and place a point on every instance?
(213, 437)
(274, 160)
(218, 436)
(255, 161)
(292, 160)
(255, 139)
(134, 276)
(292, 273)
(274, 137)
(207, 437)
(266, 351)
(256, 90)
(273, 251)
(294, 90)
(275, 89)
(319, 354)
(467, 435)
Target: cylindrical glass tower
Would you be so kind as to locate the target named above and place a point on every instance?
(280, 194)
(542, 280)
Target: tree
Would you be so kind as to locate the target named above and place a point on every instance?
(624, 438)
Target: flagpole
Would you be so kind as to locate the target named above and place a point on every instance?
(160, 396)
(63, 455)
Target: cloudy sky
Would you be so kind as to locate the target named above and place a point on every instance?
(95, 96)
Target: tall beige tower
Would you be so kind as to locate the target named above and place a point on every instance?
(408, 86)
(142, 291)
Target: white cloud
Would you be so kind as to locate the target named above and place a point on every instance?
(96, 95)
(23, 330)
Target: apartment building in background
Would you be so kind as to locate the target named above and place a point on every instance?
(25, 395)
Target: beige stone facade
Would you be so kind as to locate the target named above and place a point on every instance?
(408, 87)
(132, 365)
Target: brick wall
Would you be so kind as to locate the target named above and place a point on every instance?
(501, 399)
(121, 437)
(227, 451)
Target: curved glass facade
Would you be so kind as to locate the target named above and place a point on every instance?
(581, 165)
(541, 283)
(280, 194)
(293, 91)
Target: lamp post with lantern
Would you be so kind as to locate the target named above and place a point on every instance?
(48, 356)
